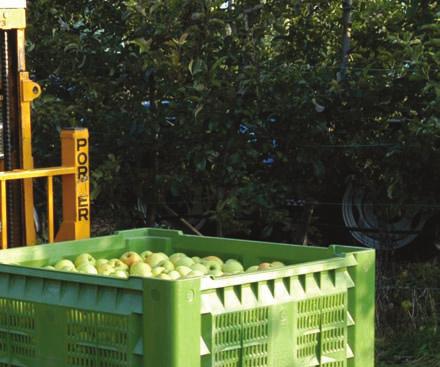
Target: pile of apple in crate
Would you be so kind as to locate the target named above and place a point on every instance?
(157, 265)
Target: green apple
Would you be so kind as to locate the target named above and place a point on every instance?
(69, 269)
(64, 264)
(105, 269)
(100, 262)
(164, 276)
(184, 270)
(130, 257)
(184, 261)
(252, 269)
(157, 270)
(141, 269)
(84, 258)
(264, 266)
(120, 274)
(154, 259)
(277, 264)
(194, 273)
(196, 259)
(232, 266)
(200, 267)
(174, 274)
(213, 258)
(216, 273)
(212, 265)
(87, 268)
(118, 264)
(145, 254)
(176, 256)
(167, 264)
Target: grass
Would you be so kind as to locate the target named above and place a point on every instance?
(408, 348)
(408, 318)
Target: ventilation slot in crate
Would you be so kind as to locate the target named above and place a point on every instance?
(17, 329)
(96, 339)
(240, 339)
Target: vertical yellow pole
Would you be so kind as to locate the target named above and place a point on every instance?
(76, 188)
(4, 218)
(28, 92)
(50, 223)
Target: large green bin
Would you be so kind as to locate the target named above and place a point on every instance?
(318, 311)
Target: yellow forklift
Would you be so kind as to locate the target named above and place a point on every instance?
(18, 174)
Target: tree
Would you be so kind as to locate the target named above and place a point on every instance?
(227, 112)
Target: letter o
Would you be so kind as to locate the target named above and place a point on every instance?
(82, 158)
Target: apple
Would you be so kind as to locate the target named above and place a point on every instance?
(164, 276)
(174, 274)
(100, 262)
(105, 269)
(195, 273)
(84, 258)
(212, 265)
(213, 258)
(87, 268)
(167, 264)
(264, 266)
(64, 264)
(157, 270)
(69, 269)
(232, 266)
(145, 254)
(119, 274)
(184, 270)
(200, 267)
(141, 269)
(216, 273)
(184, 261)
(49, 267)
(196, 259)
(277, 264)
(176, 256)
(154, 259)
(130, 257)
(118, 264)
(252, 269)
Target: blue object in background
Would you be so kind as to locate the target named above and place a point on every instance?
(269, 161)
(243, 129)
(146, 105)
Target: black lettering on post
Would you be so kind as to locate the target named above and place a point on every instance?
(83, 201)
(83, 214)
(82, 158)
(82, 173)
(80, 143)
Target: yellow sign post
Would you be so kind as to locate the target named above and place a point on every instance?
(76, 197)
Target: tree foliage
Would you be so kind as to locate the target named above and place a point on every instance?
(227, 111)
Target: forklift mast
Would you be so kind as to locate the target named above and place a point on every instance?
(17, 92)
(15, 120)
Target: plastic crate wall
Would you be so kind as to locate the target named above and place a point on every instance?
(317, 312)
(295, 321)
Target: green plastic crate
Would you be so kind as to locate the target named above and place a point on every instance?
(319, 311)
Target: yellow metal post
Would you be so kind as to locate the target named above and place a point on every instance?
(50, 223)
(76, 187)
(28, 92)
(4, 218)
